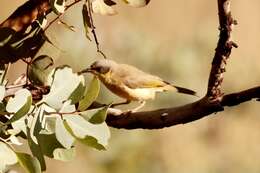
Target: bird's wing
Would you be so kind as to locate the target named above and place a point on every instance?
(135, 78)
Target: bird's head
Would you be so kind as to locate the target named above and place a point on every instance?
(101, 67)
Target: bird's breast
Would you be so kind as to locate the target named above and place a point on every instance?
(127, 93)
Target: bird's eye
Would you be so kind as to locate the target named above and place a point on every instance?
(101, 70)
(104, 70)
(97, 69)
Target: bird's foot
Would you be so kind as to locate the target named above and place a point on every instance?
(142, 103)
(120, 103)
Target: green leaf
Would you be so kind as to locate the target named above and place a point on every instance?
(90, 95)
(2, 109)
(94, 135)
(64, 154)
(78, 93)
(48, 144)
(51, 147)
(33, 130)
(64, 83)
(40, 70)
(7, 157)
(29, 163)
(100, 7)
(62, 135)
(92, 142)
(58, 6)
(95, 116)
(137, 3)
(86, 20)
(19, 105)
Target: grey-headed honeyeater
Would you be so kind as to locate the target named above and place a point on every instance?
(131, 83)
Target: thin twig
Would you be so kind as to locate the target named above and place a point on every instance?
(66, 8)
(93, 30)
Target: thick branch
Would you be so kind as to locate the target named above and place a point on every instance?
(180, 115)
(223, 50)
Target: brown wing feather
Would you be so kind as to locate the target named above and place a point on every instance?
(135, 78)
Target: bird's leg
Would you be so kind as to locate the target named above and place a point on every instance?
(142, 103)
(120, 103)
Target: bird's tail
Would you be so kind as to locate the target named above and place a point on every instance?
(185, 90)
(179, 89)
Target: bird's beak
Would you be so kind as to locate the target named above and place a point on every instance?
(87, 70)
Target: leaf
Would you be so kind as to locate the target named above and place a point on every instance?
(2, 92)
(67, 107)
(2, 109)
(94, 135)
(3, 72)
(58, 6)
(29, 163)
(32, 131)
(40, 70)
(49, 125)
(19, 105)
(48, 144)
(6, 35)
(78, 93)
(137, 3)
(42, 21)
(62, 135)
(86, 20)
(48, 122)
(64, 154)
(92, 142)
(100, 7)
(18, 127)
(15, 140)
(29, 44)
(65, 82)
(17, 45)
(109, 2)
(53, 149)
(90, 95)
(7, 157)
(95, 116)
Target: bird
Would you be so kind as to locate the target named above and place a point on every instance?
(131, 83)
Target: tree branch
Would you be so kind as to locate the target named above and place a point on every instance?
(180, 115)
(213, 102)
(223, 50)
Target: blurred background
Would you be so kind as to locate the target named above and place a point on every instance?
(174, 40)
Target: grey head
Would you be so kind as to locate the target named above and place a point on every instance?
(102, 66)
